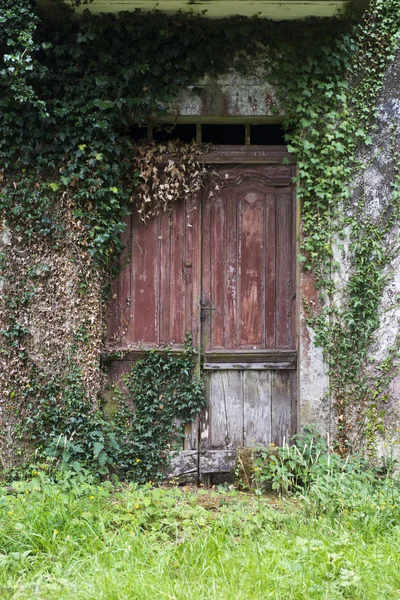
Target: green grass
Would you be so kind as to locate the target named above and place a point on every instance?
(80, 541)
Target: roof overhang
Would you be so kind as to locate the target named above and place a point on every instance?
(277, 10)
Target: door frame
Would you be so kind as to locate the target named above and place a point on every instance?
(185, 465)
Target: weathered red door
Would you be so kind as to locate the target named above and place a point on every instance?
(221, 266)
(248, 312)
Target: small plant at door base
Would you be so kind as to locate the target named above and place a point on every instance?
(308, 466)
(165, 393)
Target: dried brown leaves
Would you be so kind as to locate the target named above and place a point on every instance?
(53, 293)
(167, 173)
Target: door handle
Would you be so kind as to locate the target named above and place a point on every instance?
(207, 308)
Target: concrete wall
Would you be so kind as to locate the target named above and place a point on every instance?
(377, 183)
(374, 184)
(232, 95)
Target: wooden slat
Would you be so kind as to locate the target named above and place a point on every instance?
(257, 407)
(165, 226)
(129, 354)
(231, 273)
(216, 356)
(218, 269)
(226, 409)
(281, 411)
(270, 277)
(189, 265)
(251, 256)
(265, 355)
(252, 155)
(124, 287)
(176, 264)
(196, 275)
(295, 272)
(145, 281)
(206, 269)
(284, 270)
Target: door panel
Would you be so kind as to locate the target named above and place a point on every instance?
(248, 268)
(284, 269)
(246, 407)
(156, 296)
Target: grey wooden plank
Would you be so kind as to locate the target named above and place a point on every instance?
(281, 417)
(217, 461)
(184, 466)
(191, 434)
(204, 433)
(226, 409)
(257, 407)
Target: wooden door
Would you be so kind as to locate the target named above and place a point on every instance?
(221, 265)
(248, 313)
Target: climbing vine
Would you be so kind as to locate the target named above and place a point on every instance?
(166, 394)
(331, 110)
(70, 173)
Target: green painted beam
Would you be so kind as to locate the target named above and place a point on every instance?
(271, 9)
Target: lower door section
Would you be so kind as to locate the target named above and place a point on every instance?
(245, 408)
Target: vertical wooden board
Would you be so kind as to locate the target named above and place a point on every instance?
(124, 293)
(195, 282)
(165, 226)
(270, 260)
(284, 270)
(294, 409)
(205, 316)
(145, 281)
(188, 263)
(177, 288)
(218, 262)
(204, 429)
(251, 223)
(191, 266)
(192, 434)
(111, 312)
(231, 297)
(226, 409)
(257, 407)
(281, 418)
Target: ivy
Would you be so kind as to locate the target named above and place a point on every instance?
(331, 107)
(166, 393)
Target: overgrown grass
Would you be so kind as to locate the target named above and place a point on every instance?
(78, 540)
